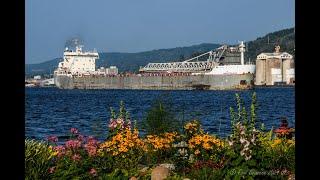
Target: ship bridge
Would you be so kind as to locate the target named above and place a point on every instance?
(192, 64)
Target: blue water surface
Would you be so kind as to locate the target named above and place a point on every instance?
(52, 111)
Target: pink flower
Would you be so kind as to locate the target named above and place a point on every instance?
(91, 146)
(60, 150)
(74, 130)
(51, 170)
(80, 137)
(53, 139)
(73, 144)
(113, 124)
(93, 172)
(76, 157)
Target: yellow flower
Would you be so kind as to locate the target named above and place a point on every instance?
(290, 142)
(206, 146)
(275, 143)
(55, 153)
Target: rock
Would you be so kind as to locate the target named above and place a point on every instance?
(171, 167)
(159, 173)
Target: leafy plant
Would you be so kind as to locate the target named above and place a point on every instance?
(38, 159)
(160, 118)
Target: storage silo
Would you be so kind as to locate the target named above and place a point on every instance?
(274, 68)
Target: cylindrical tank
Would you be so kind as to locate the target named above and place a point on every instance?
(272, 63)
(286, 66)
(260, 72)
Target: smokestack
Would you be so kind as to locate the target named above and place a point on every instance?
(72, 43)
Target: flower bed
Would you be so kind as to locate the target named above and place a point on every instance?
(249, 152)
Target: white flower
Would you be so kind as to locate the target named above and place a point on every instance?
(230, 143)
(120, 121)
(246, 149)
(242, 140)
(242, 132)
(247, 158)
(247, 144)
(242, 152)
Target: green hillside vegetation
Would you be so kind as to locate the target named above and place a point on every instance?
(285, 38)
(131, 62)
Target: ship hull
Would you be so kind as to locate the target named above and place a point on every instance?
(63, 81)
(182, 82)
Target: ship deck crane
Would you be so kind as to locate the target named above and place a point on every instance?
(189, 65)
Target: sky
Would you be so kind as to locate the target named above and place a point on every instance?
(142, 25)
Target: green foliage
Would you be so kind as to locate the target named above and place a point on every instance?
(38, 159)
(123, 113)
(241, 116)
(205, 173)
(160, 118)
(285, 38)
(117, 174)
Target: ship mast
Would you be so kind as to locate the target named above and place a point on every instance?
(242, 50)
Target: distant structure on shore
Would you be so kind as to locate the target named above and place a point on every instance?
(275, 68)
(38, 81)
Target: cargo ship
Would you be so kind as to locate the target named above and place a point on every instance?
(219, 69)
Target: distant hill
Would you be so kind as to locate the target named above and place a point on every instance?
(128, 61)
(132, 61)
(285, 38)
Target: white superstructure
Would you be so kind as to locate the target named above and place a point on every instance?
(232, 69)
(77, 62)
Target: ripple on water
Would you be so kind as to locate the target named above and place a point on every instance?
(51, 111)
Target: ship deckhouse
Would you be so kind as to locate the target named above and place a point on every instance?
(77, 62)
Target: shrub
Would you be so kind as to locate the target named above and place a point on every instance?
(160, 118)
(38, 159)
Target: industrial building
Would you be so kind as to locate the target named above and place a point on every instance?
(275, 68)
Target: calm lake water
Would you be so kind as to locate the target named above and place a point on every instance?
(52, 111)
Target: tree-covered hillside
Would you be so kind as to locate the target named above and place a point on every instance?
(285, 38)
